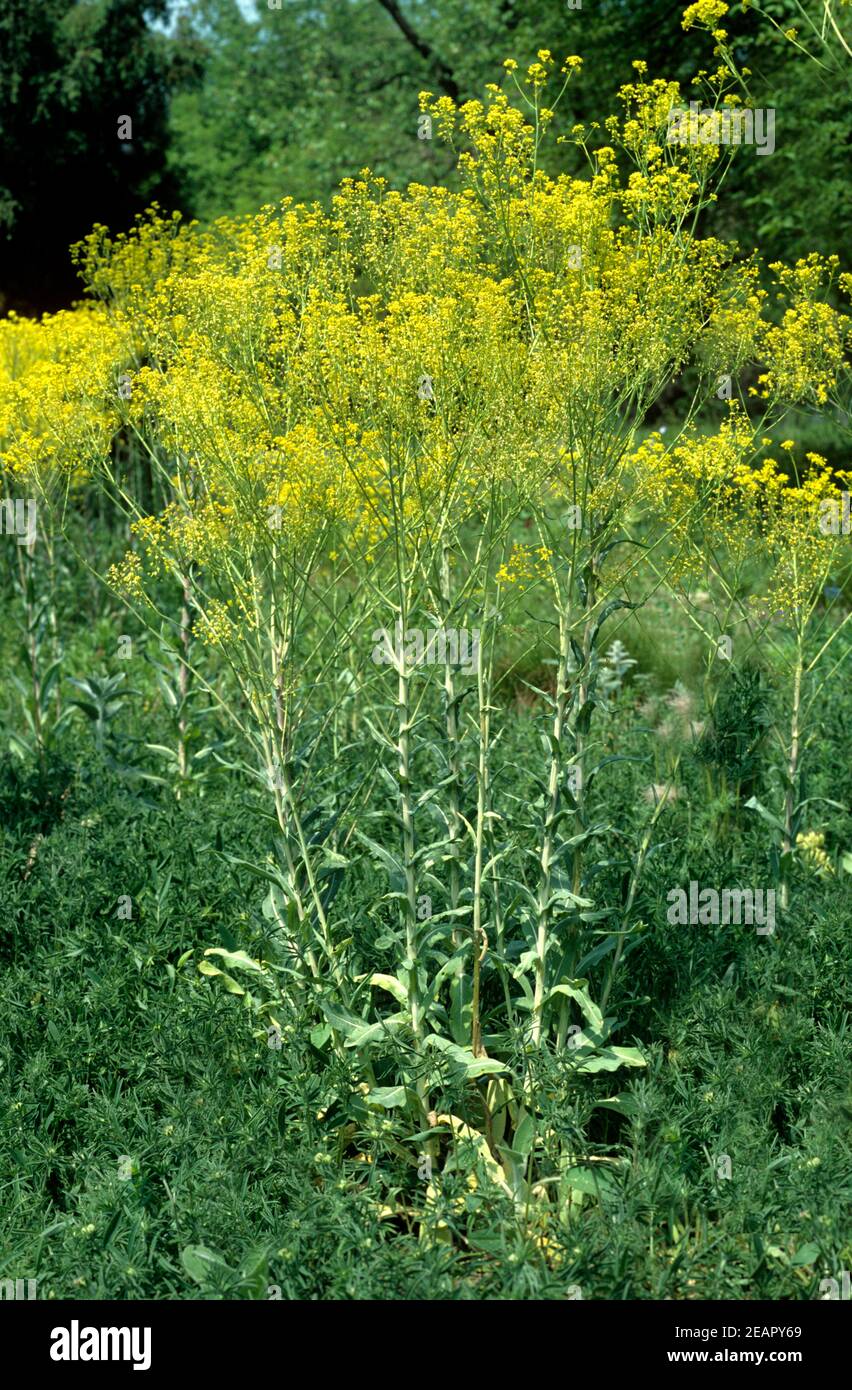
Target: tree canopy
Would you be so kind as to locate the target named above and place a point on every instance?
(235, 103)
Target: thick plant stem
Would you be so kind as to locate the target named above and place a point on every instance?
(792, 765)
(481, 808)
(487, 655)
(276, 753)
(551, 810)
(408, 904)
(307, 861)
(453, 750)
(52, 619)
(304, 945)
(578, 794)
(458, 984)
(275, 782)
(582, 698)
(183, 683)
(409, 910)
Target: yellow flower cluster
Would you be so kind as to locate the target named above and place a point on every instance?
(526, 565)
(705, 14)
(681, 480)
(785, 518)
(812, 845)
(306, 382)
(806, 351)
(59, 379)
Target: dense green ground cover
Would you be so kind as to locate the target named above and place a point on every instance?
(141, 1119)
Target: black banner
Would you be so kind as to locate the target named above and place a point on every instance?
(81, 1340)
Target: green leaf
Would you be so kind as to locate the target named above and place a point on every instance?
(622, 1104)
(380, 738)
(332, 860)
(387, 1096)
(393, 986)
(254, 1271)
(274, 905)
(805, 1255)
(754, 805)
(561, 897)
(369, 1032)
(160, 748)
(201, 1263)
(205, 968)
(524, 1136)
(630, 1056)
(259, 870)
(608, 608)
(396, 872)
(461, 996)
(584, 717)
(463, 1057)
(578, 990)
(611, 1058)
(51, 676)
(340, 1020)
(236, 960)
(592, 1181)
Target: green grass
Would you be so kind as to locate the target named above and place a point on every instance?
(141, 1119)
(108, 1052)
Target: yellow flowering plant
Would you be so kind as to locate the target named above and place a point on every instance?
(618, 296)
(57, 377)
(787, 513)
(787, 609)
(357, 436)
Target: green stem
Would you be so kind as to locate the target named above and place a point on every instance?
(551, 809)
(481, 807)
(792, 764)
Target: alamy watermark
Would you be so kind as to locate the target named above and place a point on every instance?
(723, 125)
(76, 1343)
(18, 1289)
(707, 907)
(19, 518)
(836, 1289)
(440, 646)
(835, 517)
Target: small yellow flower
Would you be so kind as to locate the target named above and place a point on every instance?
(704, 14)
(811, 843)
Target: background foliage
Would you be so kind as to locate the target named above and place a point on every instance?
(237, 104)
